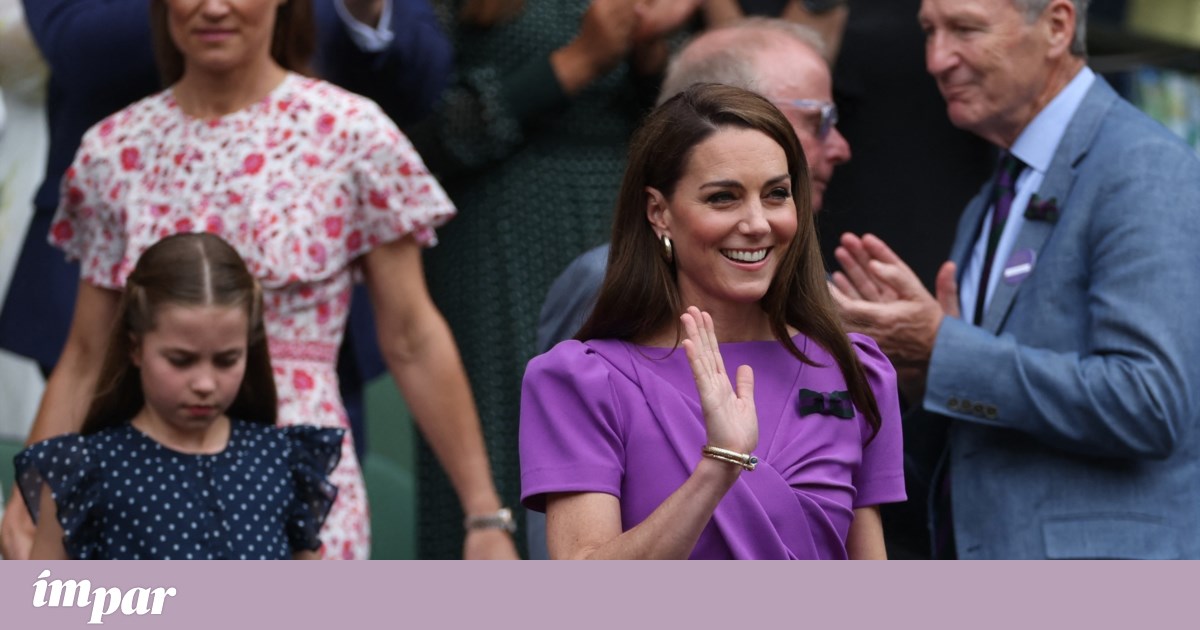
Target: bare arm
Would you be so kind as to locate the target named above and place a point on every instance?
(587, 526)
(865, 540)
(423, 359)
(66, 399)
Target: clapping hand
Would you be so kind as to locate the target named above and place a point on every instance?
(729, 416)
(880, 296)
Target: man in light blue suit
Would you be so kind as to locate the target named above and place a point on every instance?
(1061, 349)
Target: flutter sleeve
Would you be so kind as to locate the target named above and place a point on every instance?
(571, 437)
(86, 226)
(395, 194)
(880, 478)
(313, 452)
(68, 467)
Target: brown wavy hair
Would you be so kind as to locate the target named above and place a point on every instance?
(183, 270)
(640, 295)
(292, 42)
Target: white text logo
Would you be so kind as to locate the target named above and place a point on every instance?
(104, 601)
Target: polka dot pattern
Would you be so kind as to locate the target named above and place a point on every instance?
(120, 495)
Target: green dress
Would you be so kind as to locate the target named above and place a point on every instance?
(535, 175)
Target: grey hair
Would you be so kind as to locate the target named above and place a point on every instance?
(733, 64)
(1033, 9)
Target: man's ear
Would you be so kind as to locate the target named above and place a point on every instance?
(1059, 22)
(657, 212)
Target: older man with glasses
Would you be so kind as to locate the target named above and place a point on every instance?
(778, 59)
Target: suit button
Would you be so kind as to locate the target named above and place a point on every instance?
(978, 409)
(952, 403)
(965, 405)
(990, 412)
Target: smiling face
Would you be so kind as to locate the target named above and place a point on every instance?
(730, 217)
(994, 68)
(192, 363)
(221, 35)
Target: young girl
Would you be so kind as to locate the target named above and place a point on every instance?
(178, 456)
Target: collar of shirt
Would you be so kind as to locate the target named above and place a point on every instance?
(1035, 147)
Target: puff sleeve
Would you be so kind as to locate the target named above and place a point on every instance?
(313, 452)
(880, 477)
(572, 438)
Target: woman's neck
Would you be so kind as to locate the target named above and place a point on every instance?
(206, 94)
(733, 323)
(212, 438)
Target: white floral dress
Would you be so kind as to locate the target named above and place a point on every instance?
(302, 184)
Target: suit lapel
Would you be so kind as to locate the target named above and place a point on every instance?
(1060, 177)
(968, 228)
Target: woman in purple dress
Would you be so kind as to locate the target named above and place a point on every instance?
(637, 450)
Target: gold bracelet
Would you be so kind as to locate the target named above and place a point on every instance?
(745, 460)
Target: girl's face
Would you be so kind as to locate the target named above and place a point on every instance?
(219, 35)
(730, 218)
(192, 363)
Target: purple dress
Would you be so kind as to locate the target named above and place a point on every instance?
(613, 417)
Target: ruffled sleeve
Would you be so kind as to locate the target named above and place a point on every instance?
(313, 452)
(395, 194)
(571, 435)
(86, 226)
(68, 467)
(880, 478)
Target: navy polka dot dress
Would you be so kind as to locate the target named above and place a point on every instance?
(121, 495)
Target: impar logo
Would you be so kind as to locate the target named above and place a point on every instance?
(104, 601)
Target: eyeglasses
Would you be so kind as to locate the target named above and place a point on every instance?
(829, 113)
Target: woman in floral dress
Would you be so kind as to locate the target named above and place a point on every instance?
(312, 185)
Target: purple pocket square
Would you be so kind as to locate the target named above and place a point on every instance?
(1042, 210)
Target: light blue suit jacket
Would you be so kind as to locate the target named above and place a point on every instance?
(1074, 406)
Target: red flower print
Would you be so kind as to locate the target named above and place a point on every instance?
(316, 251)
(106, 128)
(183, 225)
(74, 196)
(323, 313)
(214, 224)
(333, 227)
(354, 241)
(130, 158)
(235, 198)
(325, 124)
(306, 291)
(311, 159)
(62, 231)
(253, 163)
(160, 209)
(379, 199)
(406, 169)
(178, 159)
(301, 380)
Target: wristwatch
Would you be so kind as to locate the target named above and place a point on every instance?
(500, 519)
(823, 6)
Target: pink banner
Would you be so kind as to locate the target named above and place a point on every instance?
(613, 596)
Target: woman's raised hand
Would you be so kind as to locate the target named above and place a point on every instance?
(729, 416)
